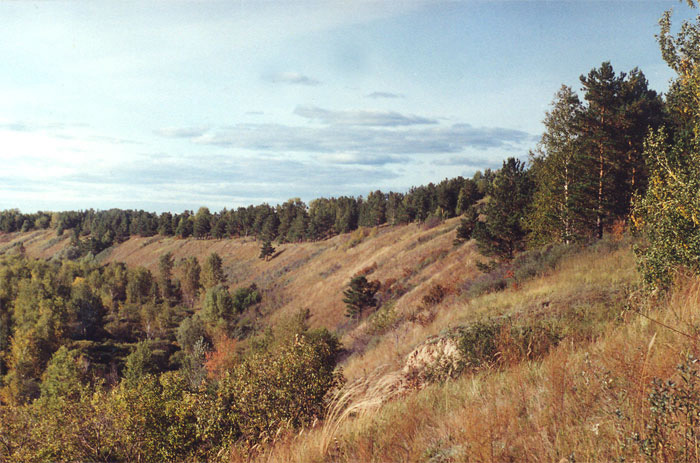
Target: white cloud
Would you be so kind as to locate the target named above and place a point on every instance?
(280, 138)
(181, 132)
(389, 95)
(294, 78)
(360, 118)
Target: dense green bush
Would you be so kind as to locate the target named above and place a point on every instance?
(499, 342)
(285, 387)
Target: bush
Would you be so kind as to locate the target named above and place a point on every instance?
(383, 319)
(190, 331)
(246, 297)
(500, 342)
(357, 237)
(673, 427)
(284, 388)
(432, 221)
(539, 261)
(488, 283)
(435, 295)
(523, 267)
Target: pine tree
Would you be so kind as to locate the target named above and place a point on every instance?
(600, 122)
(359, 296)
(266, 250)
(466, 226)
(212, 271)
(202, 223)
(502, 232)
(467, 196)
(165, 276)
(189, 278)
(620, 110)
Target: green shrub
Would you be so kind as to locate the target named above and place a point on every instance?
(383, 319)
(524, 266)
(673, 428)
(498, 342)
(246, 297)
(536, 262)
(283, 388)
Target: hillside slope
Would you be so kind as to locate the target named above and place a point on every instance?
(619, 382)
(544, 359)
(410, 258)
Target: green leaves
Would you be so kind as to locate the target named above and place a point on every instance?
(669, 213)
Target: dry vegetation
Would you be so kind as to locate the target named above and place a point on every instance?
(584, 397)
(588, 400)
(310, 275)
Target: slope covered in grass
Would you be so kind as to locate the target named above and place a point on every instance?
(599, 394)
(554, 360)
(406, 259)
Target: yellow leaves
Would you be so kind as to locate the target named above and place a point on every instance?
(637, 221)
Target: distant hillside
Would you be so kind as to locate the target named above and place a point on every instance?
(412, 258)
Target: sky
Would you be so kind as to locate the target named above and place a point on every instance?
(173, 105)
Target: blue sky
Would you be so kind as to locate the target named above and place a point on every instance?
(171, 105)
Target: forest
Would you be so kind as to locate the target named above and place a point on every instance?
(109, 362)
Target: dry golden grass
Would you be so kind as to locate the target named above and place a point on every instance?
(585, 399)
(583, 402)
(40, 243)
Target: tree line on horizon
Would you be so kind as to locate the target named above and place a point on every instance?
(292, 221)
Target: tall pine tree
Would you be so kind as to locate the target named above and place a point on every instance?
(620, 110)
(503, 231)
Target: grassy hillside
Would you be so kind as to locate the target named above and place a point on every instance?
(550, 358)
(309, 275)
(601, 394)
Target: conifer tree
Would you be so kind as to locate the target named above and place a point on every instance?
(266, 250)
(502, 232)
(600, 121)
(165, 281)
(184, 226)
(189, 278)
(359, 296)
(202, 223)
(619, 112)
(466, 226)
(212, 271)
